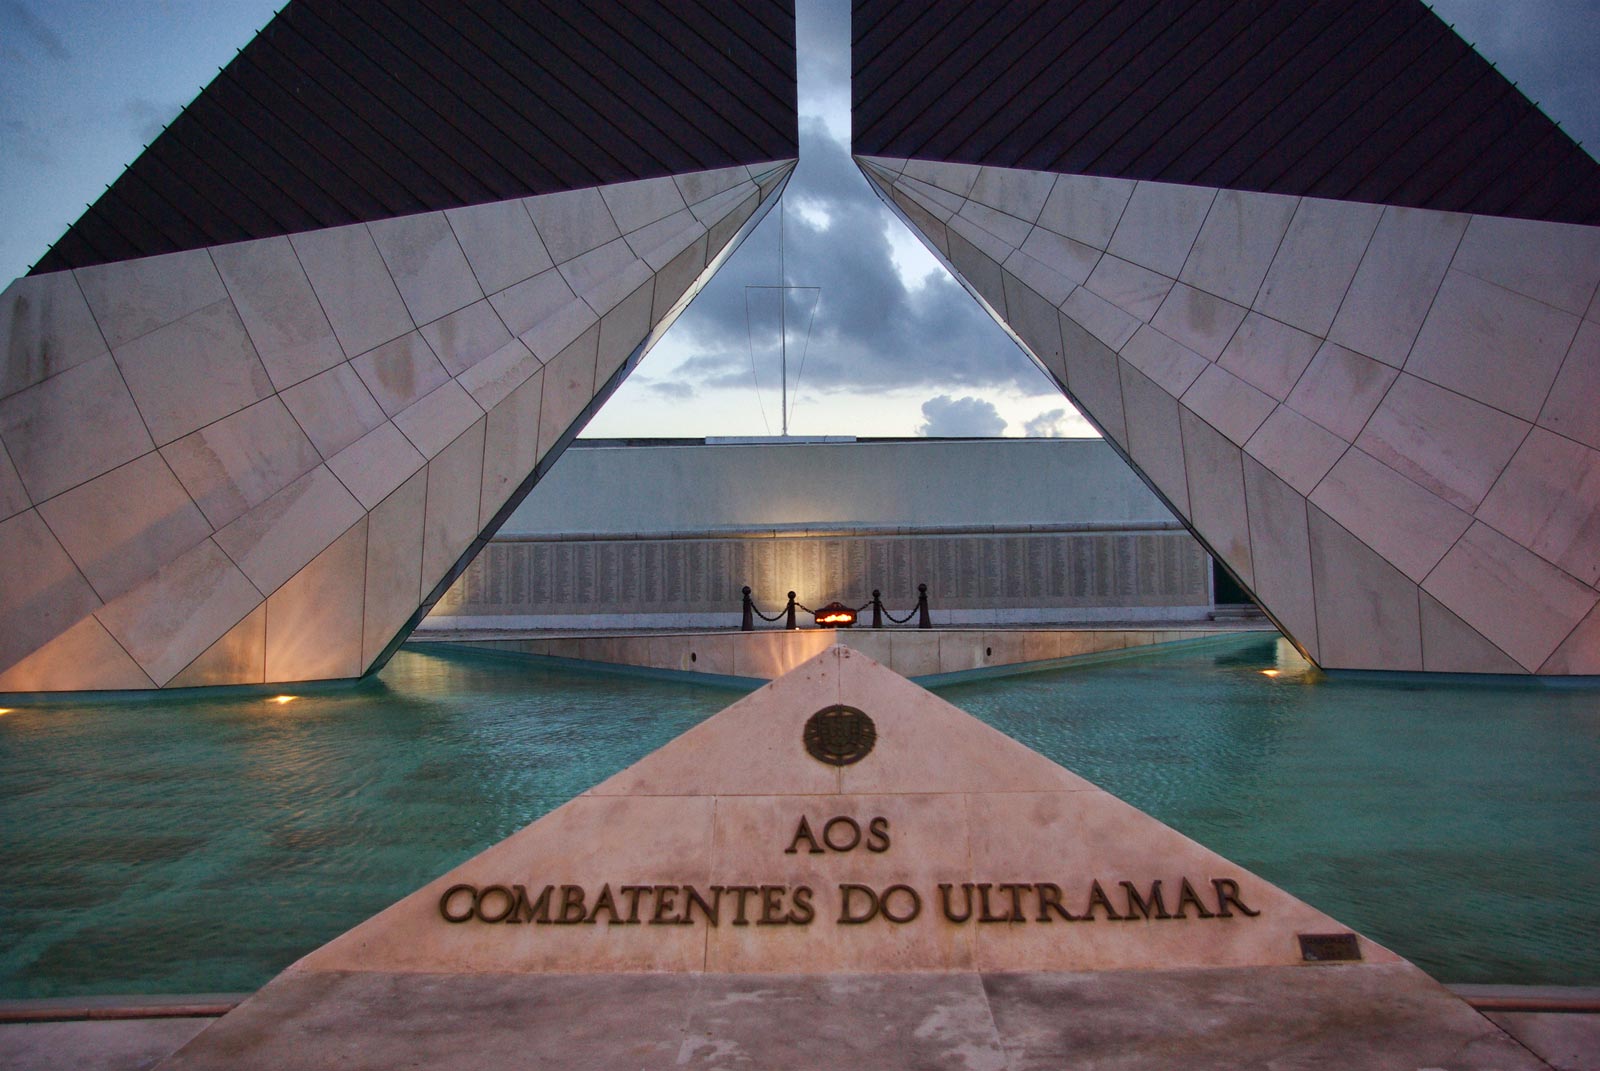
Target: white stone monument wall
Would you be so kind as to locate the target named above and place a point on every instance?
(1381, 418)
(255, 462)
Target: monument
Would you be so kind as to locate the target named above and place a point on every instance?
(263, 403)
(1324, 277)
(1327, 281)
(841, 869)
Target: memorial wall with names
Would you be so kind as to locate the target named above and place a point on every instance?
(964, 571)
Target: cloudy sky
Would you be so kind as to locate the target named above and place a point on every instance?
(890, 345)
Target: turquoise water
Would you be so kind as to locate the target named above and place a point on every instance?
(1455, 822)
(187, 845)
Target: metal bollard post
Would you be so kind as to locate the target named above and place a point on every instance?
(923, 620)
(877, 608)
(790, 622)
(749, 622)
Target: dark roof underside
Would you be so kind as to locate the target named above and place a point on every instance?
(345, 111)
(1362, 100)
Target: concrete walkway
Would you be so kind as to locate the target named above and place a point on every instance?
(1297, 1017)
(94, 1045)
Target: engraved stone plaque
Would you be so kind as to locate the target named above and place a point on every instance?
(1329, 947)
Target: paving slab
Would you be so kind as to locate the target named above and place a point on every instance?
(914, 1021)
(932, 1021)
(1330, 1016)
(1565, 1041)
(1352, 1018)
(131, 1045)
(349, 1020)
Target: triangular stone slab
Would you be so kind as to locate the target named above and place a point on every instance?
(1338, 347)
(956, 847)
(469, 347)
(749, 970)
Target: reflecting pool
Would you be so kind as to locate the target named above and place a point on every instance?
(191, 845)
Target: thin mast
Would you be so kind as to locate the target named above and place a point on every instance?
(783, 322)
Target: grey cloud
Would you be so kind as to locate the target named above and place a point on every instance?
(147, 118)
(671, 388)
(719, 369)
(1047, 425)
(945, 416)
(822, 39)
(29, 143)
(870, 330)
(17, 19)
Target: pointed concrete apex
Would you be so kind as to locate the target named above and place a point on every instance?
(734, 849)
(890, 164)
(752, 748)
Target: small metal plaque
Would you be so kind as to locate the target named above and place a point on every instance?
(1329, 947)
(840, 735)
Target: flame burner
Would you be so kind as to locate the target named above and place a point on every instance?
(835, 615)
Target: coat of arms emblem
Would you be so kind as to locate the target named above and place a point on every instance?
(840, 735)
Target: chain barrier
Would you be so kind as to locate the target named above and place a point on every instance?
(752, 611)
(920, 611)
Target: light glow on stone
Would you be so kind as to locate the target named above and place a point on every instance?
(1270, 672)
(282, 699)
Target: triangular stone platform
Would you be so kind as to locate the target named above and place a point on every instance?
(928, 892)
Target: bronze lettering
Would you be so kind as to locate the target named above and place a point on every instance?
(1098, 898)
(498, 890)
(803, 912)
(1016, 899)
(665, 896)
(777, 905)
(632, 892)
(1141, 904)
(907, 916)
(709, 910)
(832, 824)
(1050, 900)
(985, 910)
(771, 905)
(1187, 897)
(803, 833)
(572, 909)
(450, 894)
(878, 835)
(846, 892)
(944, 899)
(521, 911)
(741, 891)
(603, 902)
(1228, 893)
(540, 911)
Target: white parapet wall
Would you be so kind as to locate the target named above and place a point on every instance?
(916, 653)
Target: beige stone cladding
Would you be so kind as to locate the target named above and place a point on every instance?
(979, 854)
(254, 462)
(1382, 419)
